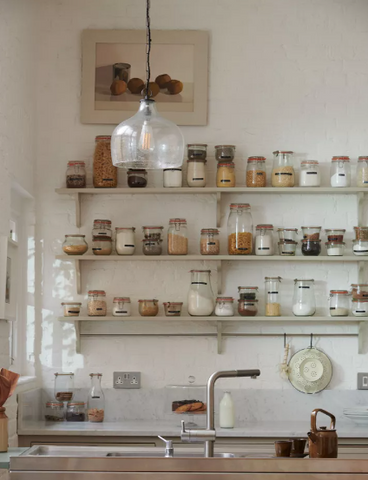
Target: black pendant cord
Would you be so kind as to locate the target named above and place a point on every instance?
(148, 48)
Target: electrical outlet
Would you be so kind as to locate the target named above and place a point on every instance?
(127, 379)
(362, 381)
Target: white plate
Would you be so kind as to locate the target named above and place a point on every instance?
(310, 370)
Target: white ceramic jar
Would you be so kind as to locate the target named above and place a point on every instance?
(121, 307)
(173, 177)
(125, 241)
(196, 172)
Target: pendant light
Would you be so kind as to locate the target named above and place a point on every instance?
(147, 140)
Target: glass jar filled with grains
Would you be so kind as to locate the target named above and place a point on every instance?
(225, 153)
(177, 237)
(361, 233)
(196, 172)
(102, 228)
(75, 412)
(101, 246)
(148, 308)
(359, 290)
(71, 309)
(54, 412)
(105, 175)
(225, 174)
(362, 172)
(311, 248)
(137, 178)
(96, 399)
(76, 175)
(311, 233)
(197, 151)
(310, 175)
(247, 308)
(96, 304)
(335, 234)
(340, 172)
(264, 240)
(75, 244)
(283, 174)
(209, 243)
(339, 303)
(256, 172)
(240, 228)
(272, 296)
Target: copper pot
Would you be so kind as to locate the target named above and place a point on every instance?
(323, 440)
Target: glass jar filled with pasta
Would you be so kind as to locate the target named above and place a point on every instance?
(240, 228)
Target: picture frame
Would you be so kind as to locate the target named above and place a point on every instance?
(109, 55)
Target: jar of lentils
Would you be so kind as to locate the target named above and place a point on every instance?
(256, 172)
(209, 243)
(105, 175)
(76, 175)
(96, 304)
(177, 238)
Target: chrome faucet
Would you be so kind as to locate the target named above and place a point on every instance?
(169, 448)
(208, 436)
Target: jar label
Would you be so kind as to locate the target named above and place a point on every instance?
(99, 309)
(129, 245)
(359, 311)
(341, 174)
(147, 244)
(260, 173)
(287, 253)
(263, 248)
(272, 293)
(199, 283)
(121, 311)
(211, 243)
(248, 304)
(173, 311)
(284, 173)
(312, 173)
(102, 233)
(197, 178)
(365, 181)
(73, 311)
(332, 308)
(107, 179)
(241, 248)
(304, 286)
(364, 251)
(75, 177)
(96, 249)
(225, 181)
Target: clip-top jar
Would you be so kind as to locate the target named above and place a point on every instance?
(96, 304)
(272, 296)
(209, 243)
(177, 240)
(201, 300)
(309, 174)
(340, 172)
(362, 172)
(121, 307)
(102, 228)
(96, 399)
(283, 174)
(105, 175)
(304, 302)
(76, 175)
(339, 303)
(224, 307)
(240, 228)
(256, 172)
(264, 240)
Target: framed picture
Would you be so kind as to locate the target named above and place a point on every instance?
(111, 58)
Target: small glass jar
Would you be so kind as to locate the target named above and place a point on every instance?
(225, 153)
(105, 175)
(240, 228)
(151, 246)
(264, 240)
(201, 302)
(310, 175)
(304, 302)
(224, 307)
(54, 412)
(311, 233)
(148, 308)
(247, 308)
(125, 240)
(283, 174)
(96, 304)
(196, 172)
(101, 246)
(76, 412)
(75, 245)
(311, 248)
(137, 178)
(76, 175)
(256, 172)
(121, 307)
(173, 177)
(288, 234)
(248, 293)
(225, 174)
(361, 233)
(64, 386)
(359, 290)
(209, 243)
(71, 309)
(362, 172)
(272, 296)
(335, 234)
(102, 228)
(340, 172)
(173, 309)
(177, 237)
(287, 248)
(197, 151)
(360, 307)
(339, 303)
(335, 248)
(152, 232)
(360, 247)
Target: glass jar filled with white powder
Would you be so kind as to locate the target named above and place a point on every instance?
(264, 240)
(173, 177)
(339, 303)
(340, 172)
(125, 241)
(360, 247)
(224, 307)
(196, 172)
(304, 302)
(360, 307)
(121, 307)
(362, 172)
(335, 248)
(201, 300)
(310, 175)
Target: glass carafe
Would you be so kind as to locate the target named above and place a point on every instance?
(201, 301)
(96, 399)
(304, 302)
(272, 296)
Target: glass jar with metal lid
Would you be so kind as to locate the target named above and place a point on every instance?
(240, 228)
(201, 302)
(196, 172)
(225, 174)
(256, 172)
(359, 290)
(224, 307)
(304, 302)
(121, 307)
(310, 175)
(288, 234)
(177, 237)
(311, 233)
(173, 309)
(64, 386)
(335, 234)
(105, 175)
(102, 228)
(96, 304)
(125, 240)
(148, 308)
(151, 246)
(76, 175)
(287, 248)
(362, 172)
(283, 174)
(225, 153)
(75, 244)
(76, 412)
(264, 240)
(339, 303)
(247, 308)
(101, 246)
(335, 248)
(71, 309)
(311, 248)
(272, 296)
(152, 232)
(197, 151)
(340, 172)
(137, 178)
(209, 243)
(54, 412)
(248, 293)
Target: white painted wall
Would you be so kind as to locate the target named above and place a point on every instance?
(283, 75)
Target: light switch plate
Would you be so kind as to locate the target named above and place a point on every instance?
(127, 379)
(362, 381)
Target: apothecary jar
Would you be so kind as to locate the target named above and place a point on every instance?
(304, 302)
(201, 301)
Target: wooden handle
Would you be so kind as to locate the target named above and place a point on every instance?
(314, 419)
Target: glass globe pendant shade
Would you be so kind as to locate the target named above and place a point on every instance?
(147, 141)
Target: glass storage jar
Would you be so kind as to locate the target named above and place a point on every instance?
(76, 175)
(310, 175)
(75, 244)
(335, 248)
(102, 228)
(359, 290)
(101, 246)
(54, 412)
(137, 178)
(201, 302)
(287, 248)
(360, 307)
(304, 302)
(247, 308)
(311, 233)
(121, 307)
(173, 309)
(240, 228)
(340, 172)
(224, 307)
(209, 243)
(272, 296)
(360, 247)
(225, 174)
(335, 234)
(64, 386)
(311, 248)
(173, 177)
(71, 309)
(148, 308)
(96, 304)
(187, 402)
(225, 153)
(76, 412)
(289, 234)
(152, 232)
(256, 172)
(283, 174)
(125, 240)
(177, 237)
(339, 303)
(361, 233)
(96, 399)
(196, 172)
(151, 246)
(362, 172)
(197, 151)
(105, 175)
(248, 293)
(264, 240)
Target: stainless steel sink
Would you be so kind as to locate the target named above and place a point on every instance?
(161, 454)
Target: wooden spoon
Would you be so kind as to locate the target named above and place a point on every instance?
(5, 386)
(12, 377)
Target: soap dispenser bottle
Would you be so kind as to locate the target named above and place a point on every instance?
(227, 412)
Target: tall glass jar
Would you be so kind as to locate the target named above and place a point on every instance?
(339, 303)
(105, 175)
(76, 175)
(264, 240)
(125, 240)
(272, 296)
(256, 172)
(201, 301)
(64, 386)
(239, 229)
(225, 176)
(304, 302)
(177, 237)
(209, 243)
(310, 175)
(96, 399)
(340, 172)
(362, 172)
(96, 304)
(196, 172)
(283, 174)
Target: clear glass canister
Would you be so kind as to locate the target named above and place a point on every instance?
(359, 290)
(173, 177)
(76, 175)
(96, 399)
(225, 174)
(256, 172)
(177, 237)
(360, 307)
(187, 402)
(201, 302)
(335, 234)
(102, 228)
(360, 247)
(287, 248)
(287, 234)
(196, 172)
(310, 175)
(101, 246)
(71, 309)
(311, 233)
(272, 296)
(148, 308)
(125, 240)
(173, 309)
(151, 246)
(340, 172)
(361, 233)
(225, 153)
(240, 228)
(64, 386)
(197, 151)
(264, 240)
(311, 248)
(76, 412)
(362, 172)
(152, 232)
(105, 175)
(339, 303)
(335, 248)
(96, 304)
(75, 244)
(224, 307)
(121, 307)
(248, 293)
(283, 174)
(54, 412)
(209, 243)
(137, 178)
(304, 302)
(247, 308)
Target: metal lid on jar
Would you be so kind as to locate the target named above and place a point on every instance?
(101, 138)
(360, 228)
(339, 292)
(282, 152)
(340, 159)
(191, 145)
(118, 229)
(199, 271)
(121, 299)
(76, 404)
(248, 288)
(214, 231)
(287, 230)
(239, 205)
(73, 163)
(149, 300)
(225, 146)
(173, 303)
(178, 220)
(224, 299)
(54, 404)
(335, 230)
(273, 278)
(311, 227)
(99, 221)
(306, 240)
(226, 164)
(71, 303)
(96, 292)
(309, 162)
(333, 242)
(264, 226)
(76, 235)
(363, 158)
(256, 159)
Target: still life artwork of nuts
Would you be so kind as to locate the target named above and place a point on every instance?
(163, 83)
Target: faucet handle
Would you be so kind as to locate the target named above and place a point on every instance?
(168, 443)
(183, 427)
